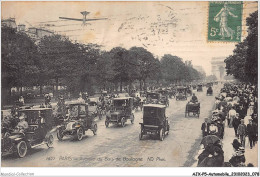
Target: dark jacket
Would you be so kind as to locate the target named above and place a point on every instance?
(236, 122)
(203, 127)
(251, 130)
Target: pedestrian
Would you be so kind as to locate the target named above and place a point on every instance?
(231, 114)
(205, 127)
(241, 131)
(242, 111)
(236, 123)
(252, 133)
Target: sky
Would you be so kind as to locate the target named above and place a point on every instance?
(177, 28)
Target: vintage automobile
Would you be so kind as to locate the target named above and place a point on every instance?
(181, 93)
(189, 91)
(93, 108)
(200, 88)
(209, 91)
(104, 93)
(153, 98)
(39, 132)
(121, 110)
(164, 97)
(79, 121)
(209, 84)
(155, 121)
(193, 108)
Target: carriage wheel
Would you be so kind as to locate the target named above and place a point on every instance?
(95, 129)
(79, 134)
(162, 134)
(123, 122)
(21, 149)
(50, 141)
(59, 134)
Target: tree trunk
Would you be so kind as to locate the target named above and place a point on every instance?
(121, 85)
(140, 85)
(21, 91)
(57, 85)
(144, 84)
(40, 89)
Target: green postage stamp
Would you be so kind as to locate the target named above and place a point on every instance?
(225, 21)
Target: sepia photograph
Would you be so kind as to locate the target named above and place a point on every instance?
(129, 84)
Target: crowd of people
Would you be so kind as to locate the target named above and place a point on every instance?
(235, 107)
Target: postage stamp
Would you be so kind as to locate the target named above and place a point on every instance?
(225, 21)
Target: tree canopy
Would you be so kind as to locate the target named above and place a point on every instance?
(56, 60)
(243, 64)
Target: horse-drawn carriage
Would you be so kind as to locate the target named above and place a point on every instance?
(39, 132)
(181, 93)
(193, 108)
(154, 121)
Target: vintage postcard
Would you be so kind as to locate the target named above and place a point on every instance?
(129, 84)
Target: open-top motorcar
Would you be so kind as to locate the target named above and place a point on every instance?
(79, 121)
(121, 111)
(155, 121)
(181, 93)
(40, 122)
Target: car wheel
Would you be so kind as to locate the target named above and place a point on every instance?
(21, 149)
(123, 122)
(50, 141)
(162, 134)
(95, 129)
(107, 123)
(140, 136)
(79, 134)
(59, 135)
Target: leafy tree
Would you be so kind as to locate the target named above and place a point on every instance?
(243, 64)
(146, 65)
(19, 56)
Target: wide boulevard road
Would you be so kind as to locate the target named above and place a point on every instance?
(120, 146)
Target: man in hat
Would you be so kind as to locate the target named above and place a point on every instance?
(252, 133)
(235, 123)
(194, 98)
(241, 131)
(22, 125)
(205, 127)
